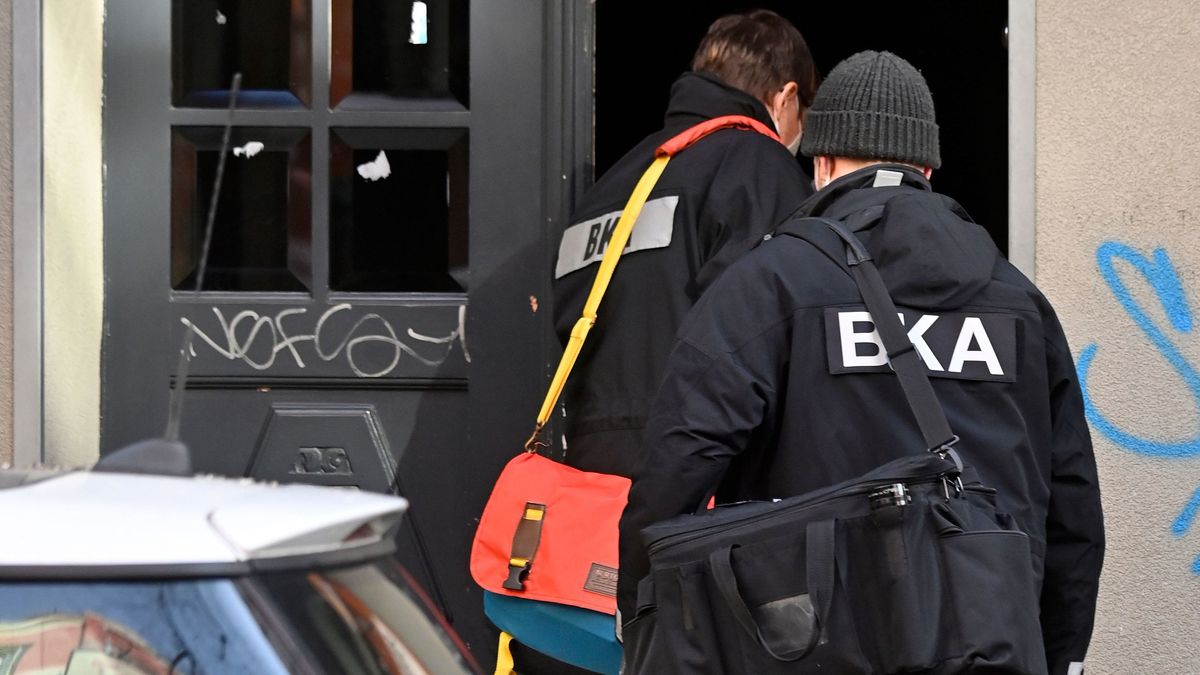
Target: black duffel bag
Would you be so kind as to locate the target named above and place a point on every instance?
(907, 569)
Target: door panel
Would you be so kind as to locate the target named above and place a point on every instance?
(370, 314)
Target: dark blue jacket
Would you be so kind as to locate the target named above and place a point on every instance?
(776, 387)
(712, 204)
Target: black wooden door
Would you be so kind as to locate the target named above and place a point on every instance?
(370, 315)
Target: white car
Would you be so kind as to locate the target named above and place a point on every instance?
(144, 574)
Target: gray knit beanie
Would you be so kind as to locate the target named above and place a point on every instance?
(873, 105)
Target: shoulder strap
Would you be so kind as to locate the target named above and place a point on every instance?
(616, 246)
(689, 136)
(902, 356)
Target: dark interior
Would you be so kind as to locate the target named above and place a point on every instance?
(269, 43)
(960, 47)
(261, 233)
(382, 49)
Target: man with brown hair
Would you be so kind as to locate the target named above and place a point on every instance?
(762, 54)
(710, 205)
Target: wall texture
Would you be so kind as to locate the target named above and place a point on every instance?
(74, 282)
(1118, 203)
(6, 230)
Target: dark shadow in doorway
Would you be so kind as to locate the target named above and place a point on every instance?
(960, 47)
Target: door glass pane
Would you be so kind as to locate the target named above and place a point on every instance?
(262, 233)
(268, 41)
(387, 51)
(398, 211)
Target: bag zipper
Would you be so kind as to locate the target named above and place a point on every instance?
(728, 526)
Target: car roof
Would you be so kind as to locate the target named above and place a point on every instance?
(80, 523)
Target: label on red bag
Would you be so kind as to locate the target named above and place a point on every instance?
(602, 579)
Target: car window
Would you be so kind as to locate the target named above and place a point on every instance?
(361, 620)
(193, 627)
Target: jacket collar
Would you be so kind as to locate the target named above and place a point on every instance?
(869, 186)
(696, 97)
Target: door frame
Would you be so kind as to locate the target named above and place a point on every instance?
(28, 412)
(1022, 135)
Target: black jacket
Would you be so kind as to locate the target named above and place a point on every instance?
(713, 202)
(774, 387)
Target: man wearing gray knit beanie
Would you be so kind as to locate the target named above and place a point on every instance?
(874, 106)
(779, 386)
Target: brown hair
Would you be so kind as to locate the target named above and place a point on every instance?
(758, 52)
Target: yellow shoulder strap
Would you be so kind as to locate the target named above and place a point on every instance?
(608, 263)
(504, 658)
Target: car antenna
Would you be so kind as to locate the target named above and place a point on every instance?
(185, 353)
(169, 455)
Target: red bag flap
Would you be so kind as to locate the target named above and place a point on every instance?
(576, 558)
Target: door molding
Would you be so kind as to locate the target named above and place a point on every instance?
(27, 353)
(1022, 134)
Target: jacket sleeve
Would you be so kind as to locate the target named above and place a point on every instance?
(757, 187)
(1075, 522)
(708, 408)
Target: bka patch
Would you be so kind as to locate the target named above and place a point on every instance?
(959, 345)
(601, 579)
(584, 243)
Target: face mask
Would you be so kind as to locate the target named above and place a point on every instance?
(794, 146)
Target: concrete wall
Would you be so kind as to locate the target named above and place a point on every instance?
(6, 231)
(73, 275)
(1118, 204)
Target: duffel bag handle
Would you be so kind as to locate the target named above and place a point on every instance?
(821, 566)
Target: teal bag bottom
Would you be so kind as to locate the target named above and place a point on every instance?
(580, 637)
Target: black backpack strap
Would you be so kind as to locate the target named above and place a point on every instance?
(902, 356)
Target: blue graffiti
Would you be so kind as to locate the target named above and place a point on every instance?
(1164, 280)
(1184, 522)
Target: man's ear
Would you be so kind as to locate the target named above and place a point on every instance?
(822, 170)
(784, 98)
(928, 171)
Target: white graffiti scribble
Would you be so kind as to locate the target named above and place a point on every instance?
(235, 348)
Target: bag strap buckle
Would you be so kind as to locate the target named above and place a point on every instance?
(946, 451)
(956, 484)
(524, 546)
(536, 442)
(952, 478)
(518, 571)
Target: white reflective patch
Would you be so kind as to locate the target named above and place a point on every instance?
(584, 243)
(972, 329)
(916, 335)
(952, 345)
(887, 178)
(851, 339)
(1076, 668)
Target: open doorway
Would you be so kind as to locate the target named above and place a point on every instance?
(960, 47)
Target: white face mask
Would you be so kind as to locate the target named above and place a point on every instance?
(794, 146)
